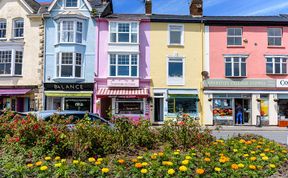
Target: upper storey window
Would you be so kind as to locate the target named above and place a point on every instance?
(71, 3)
(234, 36)
(18, 28)
(176, 35)
(2, 29)
(70, 31)
(124, 32)
(274, 36)
(11, 62)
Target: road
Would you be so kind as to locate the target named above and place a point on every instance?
(278, 136)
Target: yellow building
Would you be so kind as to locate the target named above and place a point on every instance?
(176, 55)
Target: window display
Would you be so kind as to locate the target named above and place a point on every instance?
(283, 109)
(129, 107)
(185, 105)
(222, 109)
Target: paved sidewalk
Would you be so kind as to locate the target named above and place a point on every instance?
(249, 128)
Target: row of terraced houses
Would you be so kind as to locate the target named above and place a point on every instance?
(79, 55)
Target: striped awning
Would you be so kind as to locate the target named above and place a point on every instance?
(122, 92)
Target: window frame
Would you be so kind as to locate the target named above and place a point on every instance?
(14, 28)
(232, 66)
(3, 21)
(234, 36)
(183, 96)
(130, 32)
(13, 62)
(182, 35)
(171, 80)
(65, 5)
(117, 65)
(142, 105)
(59, 64)
(274, 36)
(60, 31)
(273, 63)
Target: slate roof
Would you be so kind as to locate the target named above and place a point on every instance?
(34, 5)
(101, 9)
(175, 18)
(128, 16)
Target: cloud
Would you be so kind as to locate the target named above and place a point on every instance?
(268, 10)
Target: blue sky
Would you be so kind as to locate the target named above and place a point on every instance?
(211, 7)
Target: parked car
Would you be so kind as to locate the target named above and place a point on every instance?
(74, 115)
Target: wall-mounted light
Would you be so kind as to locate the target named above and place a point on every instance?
(245, 40)
(258, 100)
(210, 99)
(276, 100)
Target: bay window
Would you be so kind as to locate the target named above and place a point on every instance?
(175, 71)
(18, 28)
(124, 32)
(235, 66)
(3, 26)
(276, 65)
(69, 65)
(70, 31)
(176, 34)
(124, 65)
(11, 62)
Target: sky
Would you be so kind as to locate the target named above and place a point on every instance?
(211, 7)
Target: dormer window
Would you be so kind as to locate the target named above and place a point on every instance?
(71, 3)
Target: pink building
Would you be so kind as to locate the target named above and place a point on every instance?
(246, 70)
(122, 76)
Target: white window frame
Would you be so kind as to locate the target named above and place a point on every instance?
(182, 34)
(232, 65)
(130, 31)
(275, 36)
(3, 21)
(14, 28)
(130, 65)
(65, 3)
(173, 80)
(60, 33)
(59, 64)
(235, 36)
(13, 62)
(273, 62)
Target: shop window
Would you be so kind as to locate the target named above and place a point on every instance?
(182, 104)
(130, 106)
(276, 65)
(124, 65)
(3, 27)
(283, 108)
(70, 31)
(77, 104)
(222, 109)
(235, 66)
(176, 34)
(175, 71)
(11, 62)
(124, 32)
(234, 36)
(274, 36)
(18, 28)
(69, 65)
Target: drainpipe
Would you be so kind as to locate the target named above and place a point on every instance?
(97, 62)
(43, 65)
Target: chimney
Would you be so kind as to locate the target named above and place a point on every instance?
(148, 7)
(196, 8)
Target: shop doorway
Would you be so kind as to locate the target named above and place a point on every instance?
(245, 104)
(106, 108)
(158, 109)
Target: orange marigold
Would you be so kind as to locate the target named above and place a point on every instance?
(234, 166)
(200, 171)
(138, 165)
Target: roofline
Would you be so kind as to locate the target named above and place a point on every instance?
(244, 23)
(27, 6)
(54, 2)
(178, 20)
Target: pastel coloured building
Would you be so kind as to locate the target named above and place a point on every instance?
(70, 53)
(245, 64)
(21, 69)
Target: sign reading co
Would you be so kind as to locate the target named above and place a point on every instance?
(282, 83)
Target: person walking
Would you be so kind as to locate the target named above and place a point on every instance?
(239, 114)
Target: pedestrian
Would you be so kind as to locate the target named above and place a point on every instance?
(239, 114)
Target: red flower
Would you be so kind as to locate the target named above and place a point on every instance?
(17, 139)
(181, 123)
(36, 127)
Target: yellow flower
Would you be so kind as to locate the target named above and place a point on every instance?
(217, 169)
(234, 166)
(170, 171)
(121, 161)
(253, 140)
(208, 154)
(258, 146)
(262, 154)
(265, 158)
(200, 171)
(134, 160)
(185, 162)
(100, 159)
(252, 167)
(252, 152)
(267, 150)
(47, 158)
(105, 170)
(98, 162)
(63, 160)
(240, 165)
(75, 162)
(284, 151)
(246, 155)
(176, 153)
(144, 164)
(57, 158)
(182, 168)
(193, 154)
(242, 141)
(30, 165)
(58, 165)
(253, 158)
(220, 141)
(272, 166)
(144, 171)
(235, 150)
(43, 168)
(161, 154)
(138, 165)
(188, 157)
(140, 157)
(207, 159)
(82, 163)
(39, 163)
(153, 157)
(91, 160)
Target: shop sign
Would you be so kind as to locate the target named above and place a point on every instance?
(69, 86)
(256, 83)
(282, 83)
(115, 82)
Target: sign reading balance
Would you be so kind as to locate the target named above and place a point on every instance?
(69, 86)
(282, 83)
(115, 82)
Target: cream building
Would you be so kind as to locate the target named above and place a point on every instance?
(21, 55)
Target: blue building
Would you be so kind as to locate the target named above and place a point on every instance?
(70, 52)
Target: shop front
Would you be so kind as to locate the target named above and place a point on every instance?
(69, 96)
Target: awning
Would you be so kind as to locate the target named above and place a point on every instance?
(68, 94)
(182, 91)
(14, 91)
(122, 92)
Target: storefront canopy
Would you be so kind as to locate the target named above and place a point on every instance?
(122, 92)
(68, 94)
(14, 91)
(183, 92)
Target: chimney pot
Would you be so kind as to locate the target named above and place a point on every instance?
(196, 8)
(148, 7)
